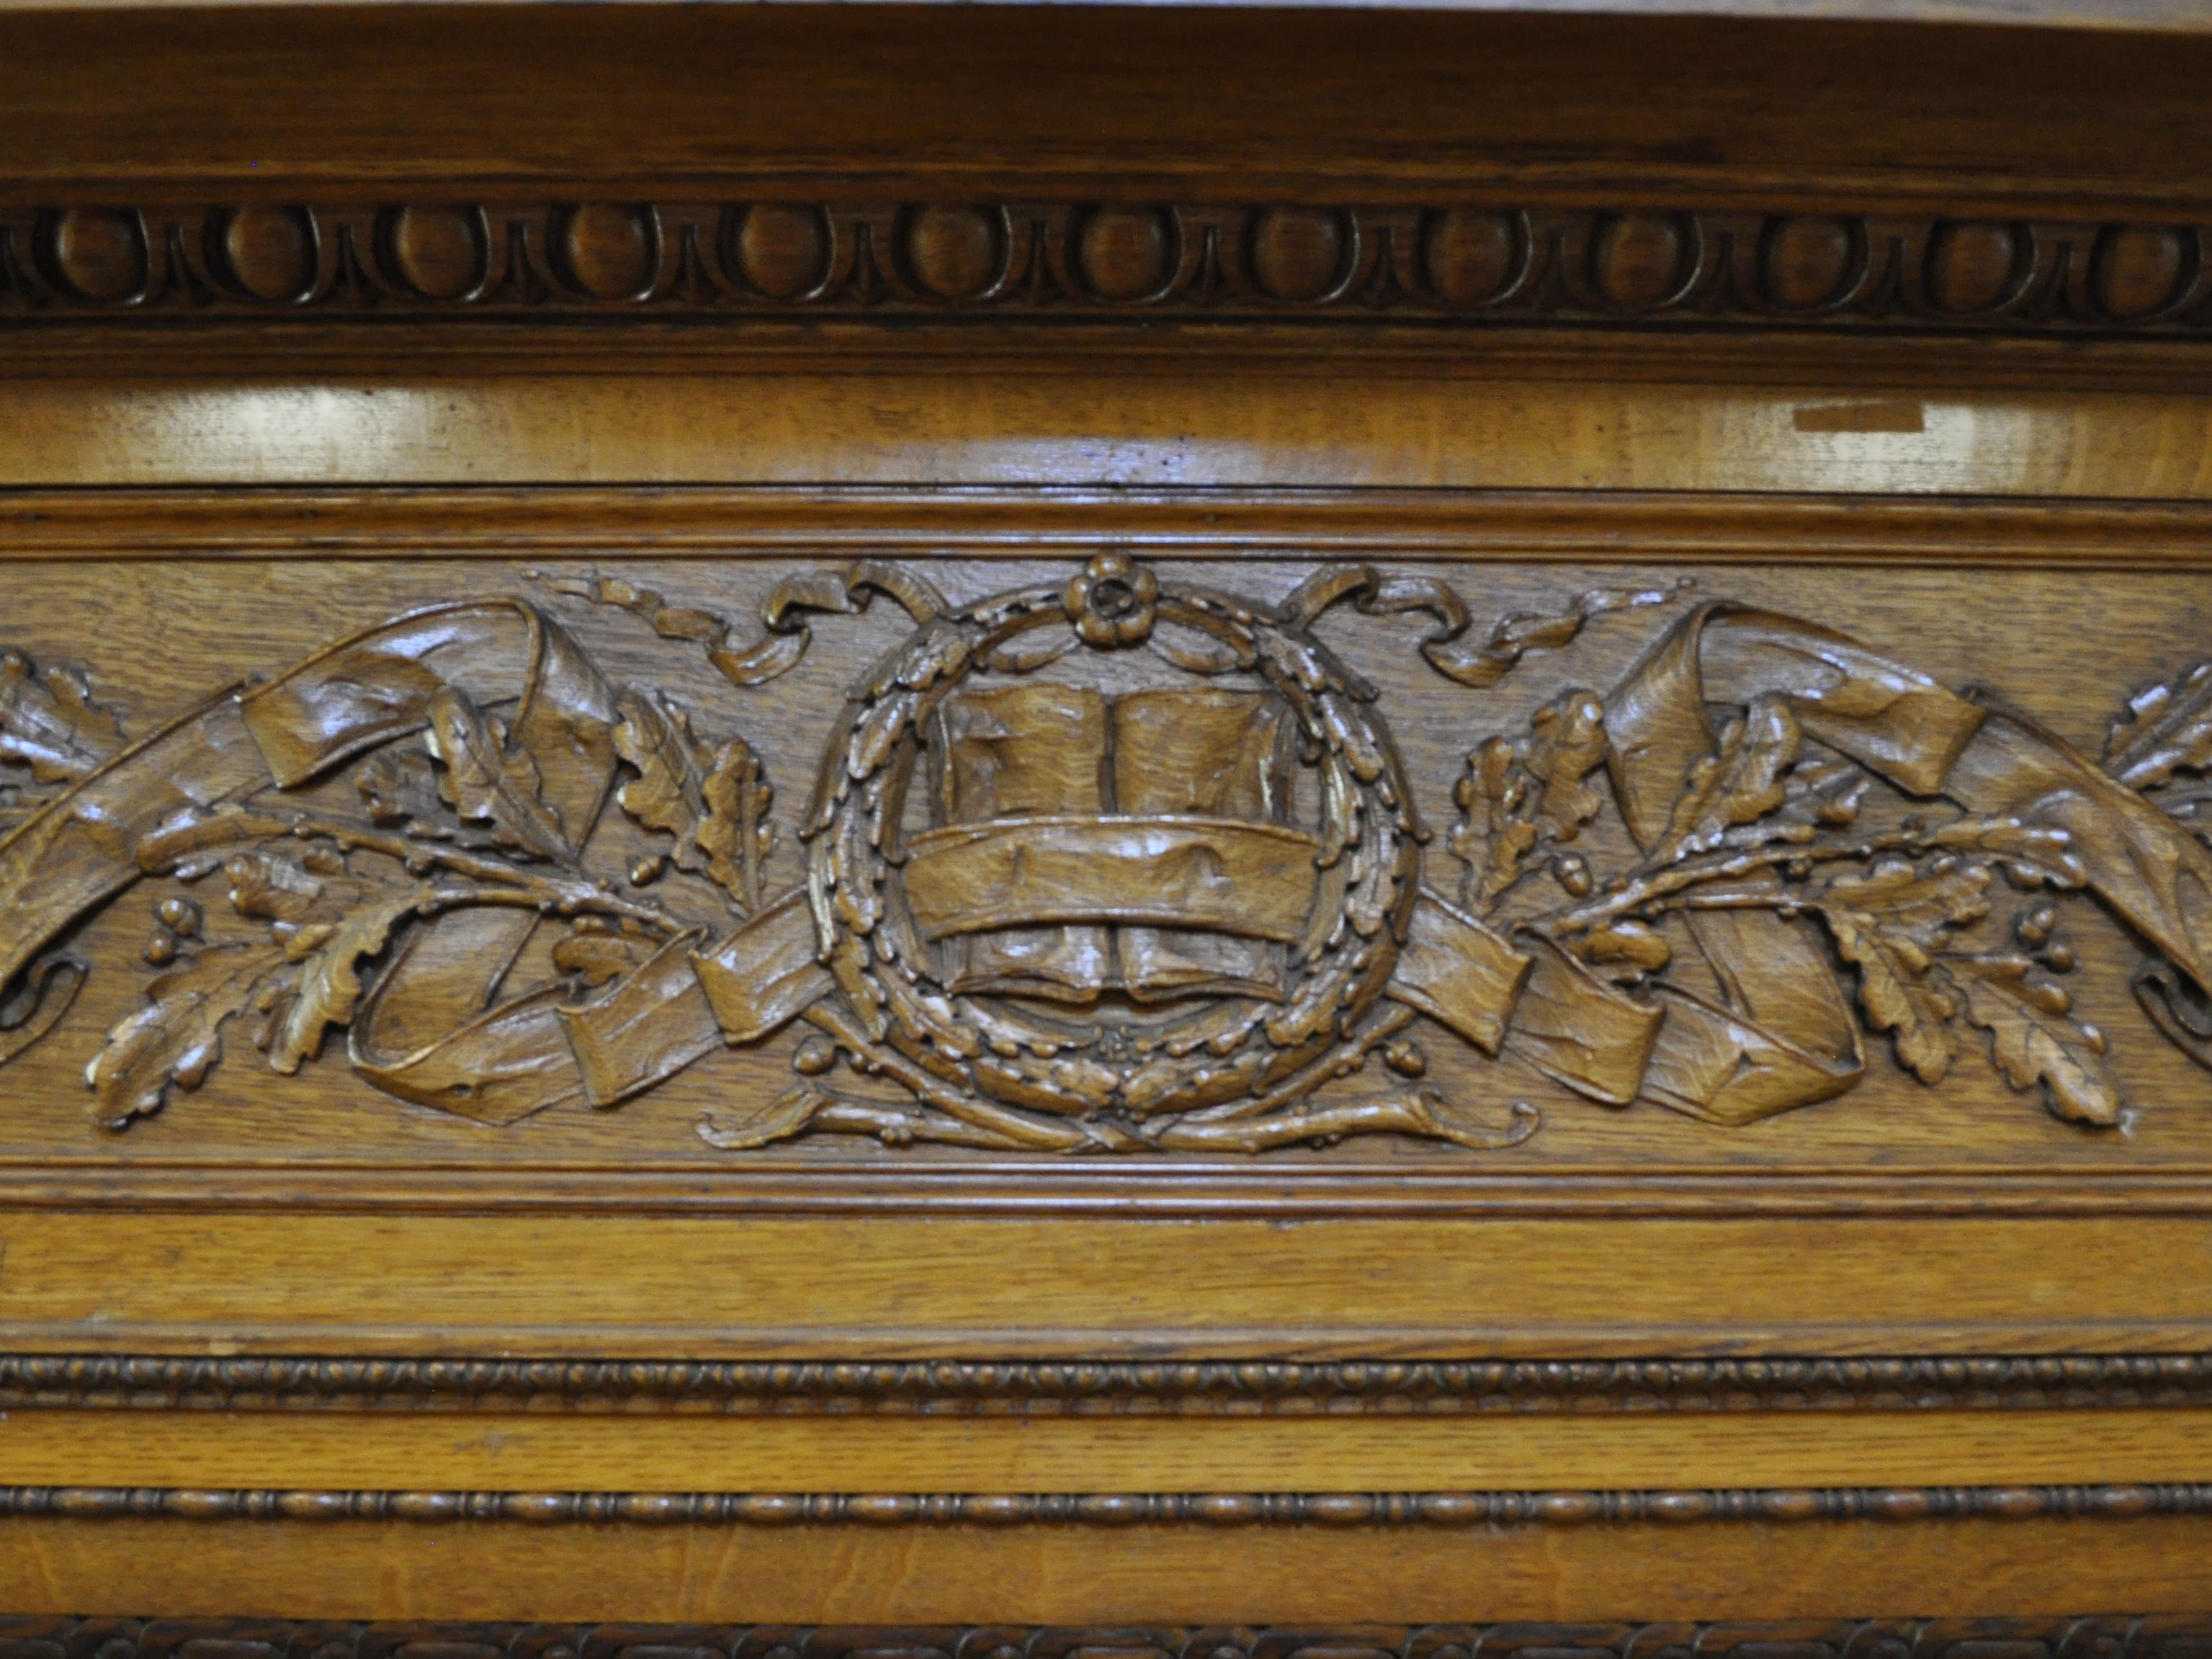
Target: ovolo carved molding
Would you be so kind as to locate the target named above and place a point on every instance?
(1490, 263)
(1447, 1509)
(1039, 1388)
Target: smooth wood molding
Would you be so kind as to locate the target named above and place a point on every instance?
(607, 1287)
(978, 425)
(2126, 1636)
(1122, 1456)
(274, 104)
(711, 522)
(1107, 1572)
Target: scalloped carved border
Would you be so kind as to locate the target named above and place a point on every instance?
(1379, 1387)
(1031, 260)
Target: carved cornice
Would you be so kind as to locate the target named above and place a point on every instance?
(1380, 1386)
(2111, 1636)
(1450, 1510)
(1025, 261)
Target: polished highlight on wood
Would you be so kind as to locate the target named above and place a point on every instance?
(1642, 262)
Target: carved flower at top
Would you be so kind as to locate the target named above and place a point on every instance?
(1112, 602)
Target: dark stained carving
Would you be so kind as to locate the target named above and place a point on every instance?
(1033, 1388)
(1183, 907)
(1448, 1510)
(1286, 262)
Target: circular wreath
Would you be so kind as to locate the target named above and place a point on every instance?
(1009, 1073)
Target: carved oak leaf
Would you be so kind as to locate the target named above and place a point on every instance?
(1741, 783)
(177, 1038)
(400, 786)
(736, 837)
(488, 783)
(49, 722)
(1568, 742)
(1888, 926)
(1490, 838)
(2033, 1039)
(712, 799)
(328, 987)
(1516, 795)
(2167, 729)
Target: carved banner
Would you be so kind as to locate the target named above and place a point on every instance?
(1116, 863)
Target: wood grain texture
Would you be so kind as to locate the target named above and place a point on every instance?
(1227, 427)
(2136, 1636)
(652, 1287)
(887, 93)
(1018, 1454)
(1454, 700)
(1693, 533)
(1121, 1574)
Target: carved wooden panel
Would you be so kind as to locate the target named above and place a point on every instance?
(1103, 834)
(1354, 864)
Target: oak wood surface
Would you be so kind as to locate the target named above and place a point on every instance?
(646, 1287)
(1102, 1574)
(1186, 428)
(841, 1454)
(1114, 99)
(1990, 487)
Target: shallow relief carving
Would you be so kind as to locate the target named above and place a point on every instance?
(1115, 863)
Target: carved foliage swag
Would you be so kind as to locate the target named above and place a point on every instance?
(1006, 938)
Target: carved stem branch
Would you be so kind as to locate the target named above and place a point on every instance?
(1018, 1129)
(1659, 888)
(562, 896)
(1345, 1058)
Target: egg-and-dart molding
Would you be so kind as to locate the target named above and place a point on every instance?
(1014, 259)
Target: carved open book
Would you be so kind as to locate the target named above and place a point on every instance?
(1088, 844)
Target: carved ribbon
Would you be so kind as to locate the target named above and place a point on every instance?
(1778, 1036)
(1781, 1034)
(498, 1063)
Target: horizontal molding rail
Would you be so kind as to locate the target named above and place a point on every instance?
(2073, 1382)
(1471, 1509)
(452, 252)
